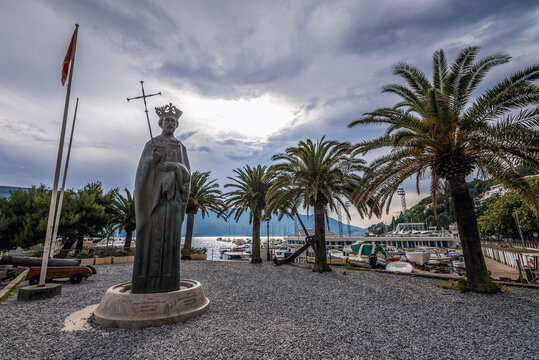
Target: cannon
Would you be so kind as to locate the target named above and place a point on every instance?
(75, 274)
(56, 269)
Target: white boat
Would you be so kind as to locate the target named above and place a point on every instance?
(437, 258)
(457, 261)
(279, 253)
(236, 255)
(418, 257)
(399, 266)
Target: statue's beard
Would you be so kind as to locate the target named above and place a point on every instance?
(169, 130)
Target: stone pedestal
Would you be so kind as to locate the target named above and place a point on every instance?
(120, 308)
(36, 292)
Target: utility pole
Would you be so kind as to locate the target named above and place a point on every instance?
(519, 229)
(339, 216)
(267, 230)
(348, 204)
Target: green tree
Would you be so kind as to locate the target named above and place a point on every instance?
(6, 231)
(23, 217)
(499, 215)
(319, 174)
(84, 213)
(204, 196)
(251, 185)
(434, 133)
(124, 211)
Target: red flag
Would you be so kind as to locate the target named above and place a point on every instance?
(68, 58)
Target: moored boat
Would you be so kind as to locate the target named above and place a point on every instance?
(236, 255)
(399, 266)
(418, 257)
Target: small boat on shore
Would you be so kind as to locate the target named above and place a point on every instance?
(399, 266)
(459, 264)
(438, 258)
(418, 257)
(236, 255)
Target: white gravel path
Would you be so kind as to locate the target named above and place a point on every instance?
(287, 312)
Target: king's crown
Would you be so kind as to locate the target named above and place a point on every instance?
(168, 111)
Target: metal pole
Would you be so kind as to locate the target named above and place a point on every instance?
(268, 252)
(519, 230)
(48, 237)
(61, 200)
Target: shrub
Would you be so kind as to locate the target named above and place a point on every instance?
(199, 251)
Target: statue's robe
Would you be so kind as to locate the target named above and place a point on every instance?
(160, 201)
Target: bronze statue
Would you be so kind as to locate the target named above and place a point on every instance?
(161, 192)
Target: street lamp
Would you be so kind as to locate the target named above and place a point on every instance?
(267, 233)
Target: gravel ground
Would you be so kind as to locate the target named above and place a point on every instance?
(287, 312)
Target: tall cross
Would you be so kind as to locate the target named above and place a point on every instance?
(143, 97)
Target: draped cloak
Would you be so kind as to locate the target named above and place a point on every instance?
(160, 199)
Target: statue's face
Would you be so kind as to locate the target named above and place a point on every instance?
(169, 125)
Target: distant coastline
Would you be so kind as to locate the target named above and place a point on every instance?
(5, 190)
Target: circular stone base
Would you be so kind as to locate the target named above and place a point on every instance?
(120, 308)
(36, 292)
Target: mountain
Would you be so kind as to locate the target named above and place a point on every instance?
(5, 190)
(213, 226)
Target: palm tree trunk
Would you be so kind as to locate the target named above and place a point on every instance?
(128, 238)
(478, 279)
(255, 254)
(320, 261)
(186, 252)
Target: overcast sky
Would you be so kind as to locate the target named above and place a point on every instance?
(252, 77)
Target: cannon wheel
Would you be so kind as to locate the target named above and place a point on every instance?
(34, 280)
(75, 278)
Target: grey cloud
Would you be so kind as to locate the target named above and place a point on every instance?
(234, 81)
(236, 142)
(187, 134)
(132, 28)
(417, 25)
(201, 148)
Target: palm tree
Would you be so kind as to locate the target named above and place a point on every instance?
(204, 196)
(320, 174)
(251, 185)
(433, 132)
(125, 215)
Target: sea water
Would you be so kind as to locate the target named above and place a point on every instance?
(213, 246)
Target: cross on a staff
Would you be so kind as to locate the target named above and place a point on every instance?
(144, 96)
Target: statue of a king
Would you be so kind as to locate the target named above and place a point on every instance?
(161, 192)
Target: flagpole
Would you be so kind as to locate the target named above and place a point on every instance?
(48, 237)
(61, 200)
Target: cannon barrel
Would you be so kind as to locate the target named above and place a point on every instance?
(34, 261)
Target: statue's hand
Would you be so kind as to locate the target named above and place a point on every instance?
(168, 166)
(156, 155)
